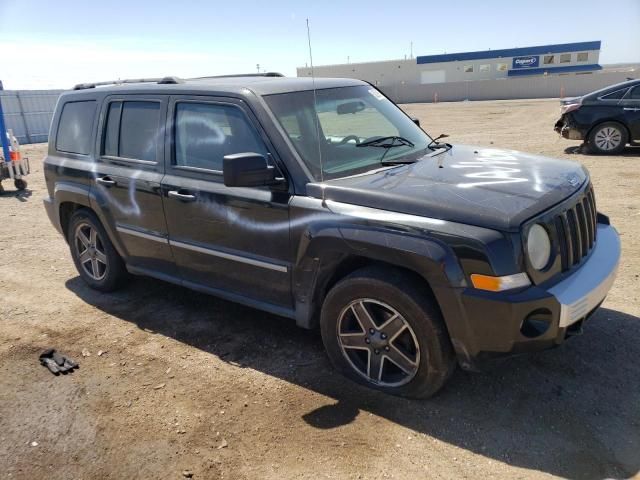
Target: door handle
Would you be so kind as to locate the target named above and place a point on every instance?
(184, 197)
(106, 181)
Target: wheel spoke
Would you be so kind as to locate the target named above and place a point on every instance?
(374, 368)
(93, 235)
(84, 257)
(95, 267)
(101, 257)
(353, 340)
(83, 238)
(363, 316)
(403, 362)
(393, 327)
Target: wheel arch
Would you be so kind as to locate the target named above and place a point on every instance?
(600, 122)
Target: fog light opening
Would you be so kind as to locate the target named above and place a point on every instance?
(536, 323)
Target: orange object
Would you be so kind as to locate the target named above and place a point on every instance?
(14, 156)
(486, 282)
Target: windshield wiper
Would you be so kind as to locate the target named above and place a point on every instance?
(396, 162)
(387, 142)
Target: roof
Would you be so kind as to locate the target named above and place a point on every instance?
(260, 85)
(511, 52)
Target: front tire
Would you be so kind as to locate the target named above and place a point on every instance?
(608, 138)
(20, 184)
(380, 329)
(95, 257)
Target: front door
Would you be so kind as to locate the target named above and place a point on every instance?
(631, 107)
(232, 241)
(127, 176)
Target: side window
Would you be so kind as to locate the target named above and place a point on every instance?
(132, 130)
(205, 133)
(565, 58)
(635, 93)
(74, 128)
(617, 95)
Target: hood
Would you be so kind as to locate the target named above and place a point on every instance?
(487, 187)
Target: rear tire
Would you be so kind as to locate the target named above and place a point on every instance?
(608, 138)
(95, 258)
(20, 184)
(380, 329)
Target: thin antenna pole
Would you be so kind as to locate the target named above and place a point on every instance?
(315, 107)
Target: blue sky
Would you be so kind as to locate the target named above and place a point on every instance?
(51, 44)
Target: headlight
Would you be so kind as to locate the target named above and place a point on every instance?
(538, 246)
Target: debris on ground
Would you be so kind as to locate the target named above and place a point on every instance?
(56, 362)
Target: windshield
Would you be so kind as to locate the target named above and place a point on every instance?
(360, 129)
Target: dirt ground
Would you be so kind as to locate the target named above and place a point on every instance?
(181, 383)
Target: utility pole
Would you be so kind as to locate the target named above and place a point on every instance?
(411, 55)
(258, 67)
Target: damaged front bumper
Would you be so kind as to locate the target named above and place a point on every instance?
(568, 130)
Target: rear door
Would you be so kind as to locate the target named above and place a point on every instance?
(127, 177)
(232, 241)
(631, 107)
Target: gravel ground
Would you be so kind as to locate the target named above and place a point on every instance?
(176, 383)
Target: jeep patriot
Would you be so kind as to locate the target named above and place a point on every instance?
(322, 201)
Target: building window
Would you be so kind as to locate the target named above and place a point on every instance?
(502, 67)
(549, 59)
(583, 56)
(485, 68)
(565, 58)
(468, 69)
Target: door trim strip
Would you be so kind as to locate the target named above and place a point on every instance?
(230, 256)
(136, 233)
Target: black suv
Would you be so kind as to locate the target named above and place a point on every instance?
(323, 202)
(607, 120)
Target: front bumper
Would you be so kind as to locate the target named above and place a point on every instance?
(568, 130)
(540, 317)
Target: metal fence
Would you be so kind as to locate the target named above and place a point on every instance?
(28, 113)
(551, 86)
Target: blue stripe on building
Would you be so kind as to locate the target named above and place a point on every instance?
(511, 52)
(540, 71)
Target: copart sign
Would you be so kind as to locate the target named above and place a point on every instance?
(526, 62)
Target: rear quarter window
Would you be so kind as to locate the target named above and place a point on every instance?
(75, 127)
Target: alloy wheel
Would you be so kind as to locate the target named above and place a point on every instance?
(608, 138)
(90, 251)
(378, 342)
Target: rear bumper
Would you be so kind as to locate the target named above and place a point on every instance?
(50, 208)
(537, 318)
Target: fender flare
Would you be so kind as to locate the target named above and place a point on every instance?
(324, 247)
(83, 195)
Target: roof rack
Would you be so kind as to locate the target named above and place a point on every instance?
(266, 74)
(162, 81)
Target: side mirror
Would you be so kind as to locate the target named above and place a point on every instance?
(248, 170)
(350, 107)
(416, 121)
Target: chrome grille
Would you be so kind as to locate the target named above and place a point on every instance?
(576, 228)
